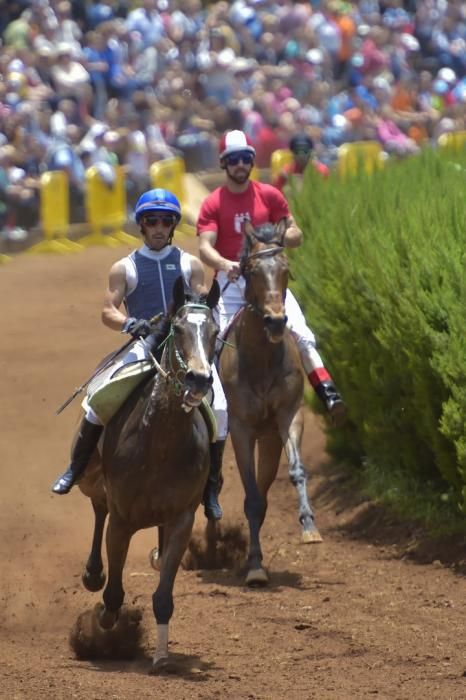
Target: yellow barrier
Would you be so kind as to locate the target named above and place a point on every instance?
(280, 158)
(360, 155)
(454, 140)
(106, 210)
(54, 215)
(169, 174)
(4, 259)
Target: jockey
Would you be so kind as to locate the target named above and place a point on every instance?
(220, 231)
(301, 146)
(143, 283)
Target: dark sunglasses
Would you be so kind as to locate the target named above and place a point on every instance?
(166, 221)
(235, 158)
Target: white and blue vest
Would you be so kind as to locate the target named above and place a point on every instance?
(150, 278)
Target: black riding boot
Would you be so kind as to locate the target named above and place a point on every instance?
(86, 443)
(214, 483)
(336, 407)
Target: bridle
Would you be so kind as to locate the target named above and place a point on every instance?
(264, 253)
(175, 376)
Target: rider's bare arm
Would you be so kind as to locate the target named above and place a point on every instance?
(213, 259)
(112, 317)
(293, 234)
(197, 282)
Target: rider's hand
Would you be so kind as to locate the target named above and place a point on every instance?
(138, 328)
(232, 269)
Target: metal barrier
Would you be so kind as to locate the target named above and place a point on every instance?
(106, 210)
(360, 156)
(55, 215)
(169, 174)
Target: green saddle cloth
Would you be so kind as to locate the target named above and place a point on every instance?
(110, 389)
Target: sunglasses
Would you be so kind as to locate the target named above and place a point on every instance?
(235, 158)
(166, 221)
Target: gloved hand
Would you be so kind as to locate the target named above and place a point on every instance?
(138, 328)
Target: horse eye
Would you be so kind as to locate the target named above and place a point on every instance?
(177, 327)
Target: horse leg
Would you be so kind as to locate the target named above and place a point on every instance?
(254, 502)
(175, 540)
(298, 477)
(155, 554)
(117, 541)
(93, 576)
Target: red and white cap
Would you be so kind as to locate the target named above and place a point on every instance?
(235, 142)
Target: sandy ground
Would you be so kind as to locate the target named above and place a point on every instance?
(354, 617)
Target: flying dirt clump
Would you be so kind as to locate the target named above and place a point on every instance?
(89, 640)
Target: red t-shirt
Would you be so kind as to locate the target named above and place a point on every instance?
(224, 212)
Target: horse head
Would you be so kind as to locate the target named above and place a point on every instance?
(191, 344)
(265, 269)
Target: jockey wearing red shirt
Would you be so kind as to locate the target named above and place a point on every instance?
(220, 232)
(301, 146)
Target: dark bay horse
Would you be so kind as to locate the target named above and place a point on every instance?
(155, 461)
(261, 373)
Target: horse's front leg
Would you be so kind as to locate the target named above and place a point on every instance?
(93, 576)
(255, 504)
(117, 541)
(298, 477)
(175, 540)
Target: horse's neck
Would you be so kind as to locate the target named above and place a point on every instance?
(253, 339)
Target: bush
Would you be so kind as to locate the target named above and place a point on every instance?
(382, 279)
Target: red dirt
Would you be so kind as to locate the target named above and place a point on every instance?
(354, 617)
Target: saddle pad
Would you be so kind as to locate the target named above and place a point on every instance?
(110, 389)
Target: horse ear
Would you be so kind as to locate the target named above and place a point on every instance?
(213, 295)
(179, 296)
(249, 231)
(280, 230)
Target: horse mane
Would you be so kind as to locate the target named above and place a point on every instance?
(160, 334)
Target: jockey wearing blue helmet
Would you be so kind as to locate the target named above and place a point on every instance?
(140, 287)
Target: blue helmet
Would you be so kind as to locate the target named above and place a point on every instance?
(158, 200)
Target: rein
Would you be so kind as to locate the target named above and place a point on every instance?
(175, 377)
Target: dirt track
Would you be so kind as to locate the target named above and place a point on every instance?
(342, 620)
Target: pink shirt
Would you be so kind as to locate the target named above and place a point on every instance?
(224, 212)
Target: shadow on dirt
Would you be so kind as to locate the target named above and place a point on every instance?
(106, 649)
(361, 519)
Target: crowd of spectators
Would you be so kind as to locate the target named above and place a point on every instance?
(101, 82)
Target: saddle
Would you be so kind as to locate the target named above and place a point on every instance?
(109, 390)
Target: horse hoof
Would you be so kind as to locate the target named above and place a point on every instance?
(311, 537)
(155, 560)
(160, 665)
(257, 577)
(93, 582)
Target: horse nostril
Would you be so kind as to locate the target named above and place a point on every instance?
(198, 381)
(275, 323)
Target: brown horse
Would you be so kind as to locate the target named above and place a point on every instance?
(261, 373)
(155, 461)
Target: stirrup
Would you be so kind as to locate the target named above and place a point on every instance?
(64, 483)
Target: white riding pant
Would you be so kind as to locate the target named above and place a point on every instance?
(232, 299)
(139, 351)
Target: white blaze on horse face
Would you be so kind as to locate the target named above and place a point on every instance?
(198, 320)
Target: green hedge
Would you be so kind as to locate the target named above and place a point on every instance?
(382, 279)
